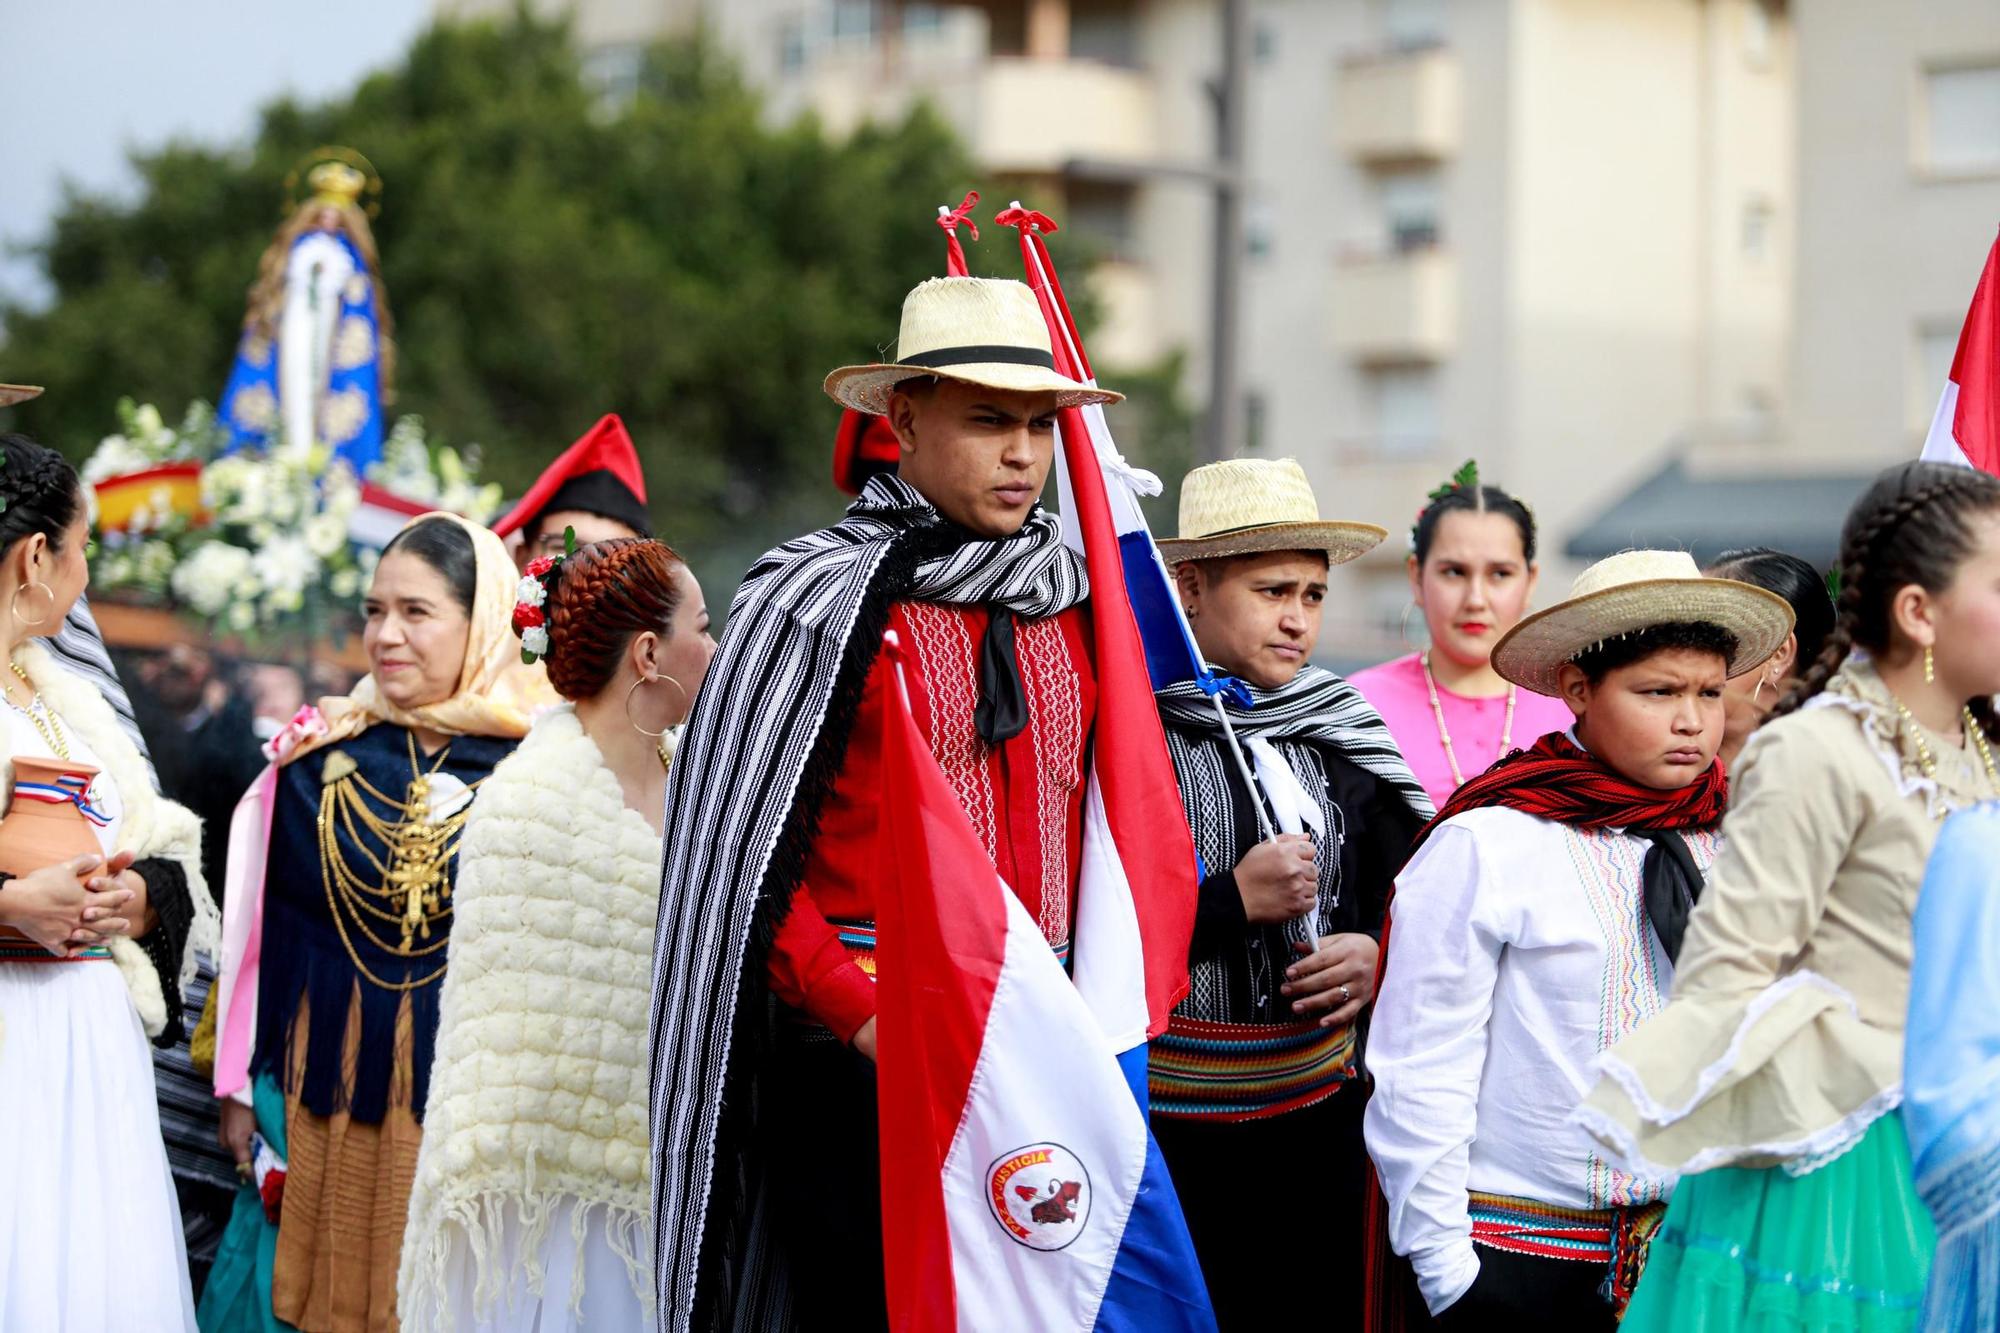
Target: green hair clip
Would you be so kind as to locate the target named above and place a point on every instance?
(1465, 479)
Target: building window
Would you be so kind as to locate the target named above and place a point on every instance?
(1759, 219)
(1411, 202)
(1937, 346)
(1413, 25)
(1102, 213)
(922, 20)
(1403, 401)
(1757, 26)
(792, 45)
(613, 73)
(1961, 119)
(1260, 227)
(1264, 44)
(853, 20)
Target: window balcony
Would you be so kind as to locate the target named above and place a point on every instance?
(1396, 308)
(1032, 116)
(1399, 107)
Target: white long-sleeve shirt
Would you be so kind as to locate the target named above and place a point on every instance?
(1518, 950)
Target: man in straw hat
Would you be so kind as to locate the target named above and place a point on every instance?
(1536, 925)
(765, 1162)
(1301, 833)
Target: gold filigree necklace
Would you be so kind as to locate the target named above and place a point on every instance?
(407, 894)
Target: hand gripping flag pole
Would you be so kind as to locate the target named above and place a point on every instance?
(1171, 654)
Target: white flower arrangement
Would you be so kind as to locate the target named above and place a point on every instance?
(259, 545)
(536, 641)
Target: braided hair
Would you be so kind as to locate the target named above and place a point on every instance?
(1912, 526)
(602, 596)
(39, 492)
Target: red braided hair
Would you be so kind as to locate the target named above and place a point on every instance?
(603, 595)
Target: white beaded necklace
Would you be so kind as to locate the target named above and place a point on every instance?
(1444, 733)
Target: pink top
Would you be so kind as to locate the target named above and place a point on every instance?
(1397, 691)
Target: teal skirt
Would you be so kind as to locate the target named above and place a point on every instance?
(1846, 1247)
(237, 1298)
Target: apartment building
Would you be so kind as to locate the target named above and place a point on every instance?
(1650, 261)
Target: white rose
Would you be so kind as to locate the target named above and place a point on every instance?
(536, 640)
(326, 534)
(212, 577)
(346, 583)
(530, 591)
(242, 615)
(286, 564)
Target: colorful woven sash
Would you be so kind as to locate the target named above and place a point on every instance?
(1246, 1071)
(1618, 1238)
(18, 949)
(858, 938)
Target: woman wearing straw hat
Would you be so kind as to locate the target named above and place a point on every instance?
(1300, 832)
(1535, 926)
(1770, 1083)
(773, 802)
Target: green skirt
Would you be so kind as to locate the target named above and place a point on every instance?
(1845, 1247)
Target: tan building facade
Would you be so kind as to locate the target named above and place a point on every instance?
(1576, 239)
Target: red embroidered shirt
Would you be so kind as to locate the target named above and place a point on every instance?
(1024, 797)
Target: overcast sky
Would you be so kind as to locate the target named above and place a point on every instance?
(81, 81)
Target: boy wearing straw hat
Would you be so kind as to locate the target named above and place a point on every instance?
(1535, 926)
(765, 1155)
(1250, 1081)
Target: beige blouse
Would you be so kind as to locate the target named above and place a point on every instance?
(1783, 1041)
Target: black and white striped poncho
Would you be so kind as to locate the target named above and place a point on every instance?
(766, 739)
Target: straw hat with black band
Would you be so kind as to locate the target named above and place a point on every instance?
(1246, 506)
(1634, 591)
(11, 394)
(984, 331)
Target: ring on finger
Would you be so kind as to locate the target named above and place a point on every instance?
(1346, 995)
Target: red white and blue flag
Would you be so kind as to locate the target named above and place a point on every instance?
(1966, 427)
(1139, 878)
(1021, 1187)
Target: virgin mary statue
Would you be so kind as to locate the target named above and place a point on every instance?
(316, 360)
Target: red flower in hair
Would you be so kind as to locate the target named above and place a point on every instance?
(528, 617)
(539, 566)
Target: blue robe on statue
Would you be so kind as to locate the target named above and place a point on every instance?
(348, 416)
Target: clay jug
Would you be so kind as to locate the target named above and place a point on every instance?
(40, 832)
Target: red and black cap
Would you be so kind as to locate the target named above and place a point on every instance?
(599, 474)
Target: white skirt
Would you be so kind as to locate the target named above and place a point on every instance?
(607, 1304)
(90, 1230)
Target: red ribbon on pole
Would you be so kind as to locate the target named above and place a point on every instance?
(1070, 357)
(948, 220)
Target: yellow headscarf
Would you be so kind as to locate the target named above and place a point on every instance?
(494, 689)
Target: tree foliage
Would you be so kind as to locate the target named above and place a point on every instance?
(549, 257)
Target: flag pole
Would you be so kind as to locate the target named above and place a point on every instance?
(1043, 282)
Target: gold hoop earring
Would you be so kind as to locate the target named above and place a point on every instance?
(1930, 667)
(1757, 692)
(1403, 630)
(14, 604)
(648, 680)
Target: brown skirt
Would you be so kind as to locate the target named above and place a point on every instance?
(347, 1196)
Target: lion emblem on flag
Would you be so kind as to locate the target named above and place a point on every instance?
(1040, 1195)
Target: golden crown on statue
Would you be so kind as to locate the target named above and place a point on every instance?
(337, 176)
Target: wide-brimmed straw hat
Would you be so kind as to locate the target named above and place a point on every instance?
(11, 394)
(985, 331)
(1633, 591)
(1244, 506)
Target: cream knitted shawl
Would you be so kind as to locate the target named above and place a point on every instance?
(538, 1095)
(152, 826)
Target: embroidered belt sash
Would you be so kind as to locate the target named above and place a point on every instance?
(1618, 1238)
(858, 938)
(1246, 1071)
(18, 949)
